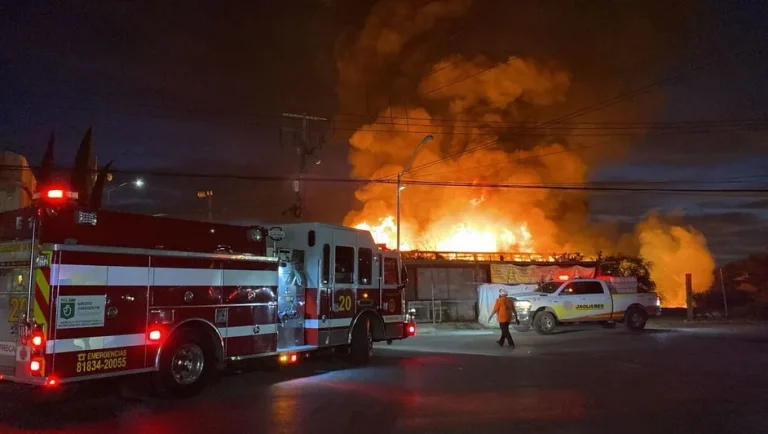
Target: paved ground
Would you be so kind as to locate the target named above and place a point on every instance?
(697, 379)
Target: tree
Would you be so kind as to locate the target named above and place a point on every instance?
(626, 266)
(81, 175)
(45, 176)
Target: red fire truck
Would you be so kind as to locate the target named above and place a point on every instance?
(91, 294)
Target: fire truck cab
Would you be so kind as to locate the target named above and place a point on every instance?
(352, 285)
(87, 294)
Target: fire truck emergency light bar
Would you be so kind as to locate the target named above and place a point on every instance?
(56, 194)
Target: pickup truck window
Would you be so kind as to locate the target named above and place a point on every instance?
(583, 288)
(548, 288)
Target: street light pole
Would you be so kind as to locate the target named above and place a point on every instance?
(138, 183)
(209, 194)
(406, 168)
(399, 179)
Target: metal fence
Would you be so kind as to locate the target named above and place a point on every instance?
(444, 311)
(426, 311)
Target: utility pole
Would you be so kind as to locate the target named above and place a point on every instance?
(306, 151)
(722, 288)
(209, 194)
(689, 297)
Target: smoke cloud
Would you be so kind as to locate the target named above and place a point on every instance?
(674, 251)
(487, 103)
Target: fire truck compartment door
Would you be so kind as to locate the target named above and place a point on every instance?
(290, 307)
(343, 295)
(14, 301)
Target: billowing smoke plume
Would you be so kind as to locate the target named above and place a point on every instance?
(389, 28)
(485, 220)
(675, 251)
(468, 103)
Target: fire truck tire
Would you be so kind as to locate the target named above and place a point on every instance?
(187, 364)
(361, 347)
(635, 319)
(544, 323)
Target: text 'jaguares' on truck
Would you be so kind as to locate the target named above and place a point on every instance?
(90, 294)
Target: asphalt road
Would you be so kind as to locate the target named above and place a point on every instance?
(582, 381)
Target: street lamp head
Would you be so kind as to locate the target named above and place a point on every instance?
(138, 183)
(427, 139)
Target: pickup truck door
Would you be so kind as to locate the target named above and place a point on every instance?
(585, 301)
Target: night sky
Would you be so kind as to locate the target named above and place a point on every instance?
(199, 87)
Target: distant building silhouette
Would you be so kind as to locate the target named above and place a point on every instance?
(17, 182)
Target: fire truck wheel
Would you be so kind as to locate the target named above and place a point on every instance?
(361, 347)
(186, 365)
(635, 319)
(544, 323)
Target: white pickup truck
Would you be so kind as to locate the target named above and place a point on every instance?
(580, 301)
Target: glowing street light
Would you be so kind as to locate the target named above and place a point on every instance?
(138, 183)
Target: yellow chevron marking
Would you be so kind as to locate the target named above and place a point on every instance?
(45, 290)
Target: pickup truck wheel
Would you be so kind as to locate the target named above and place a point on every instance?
(522, 328)
(635, 319)
(544, 323)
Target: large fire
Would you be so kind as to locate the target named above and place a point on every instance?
(467, 102)
(462, 237)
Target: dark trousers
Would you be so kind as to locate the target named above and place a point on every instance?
(505, 334)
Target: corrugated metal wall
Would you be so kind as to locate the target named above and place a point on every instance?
(454, 286)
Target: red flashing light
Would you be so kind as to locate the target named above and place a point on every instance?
(51, 382)
(35, 366)
(410, 330)
(293, 358)
(155, 335)
(1, 377)
(37, 340)
(55, 194)
(563, 277)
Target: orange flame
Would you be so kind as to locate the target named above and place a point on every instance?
(462, 237)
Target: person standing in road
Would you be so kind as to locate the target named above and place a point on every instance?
(505, 309)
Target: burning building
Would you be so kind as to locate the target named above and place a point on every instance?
(478, 110)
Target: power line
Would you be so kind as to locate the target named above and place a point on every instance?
(482, 71)
(361, 181)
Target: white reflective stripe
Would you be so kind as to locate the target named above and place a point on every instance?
(97, 275)
(393, 318)
(240, 331)
(94, 343)
(119, 341)
(318, 324)
(250, 278)
(128, 276)
(186, 277)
